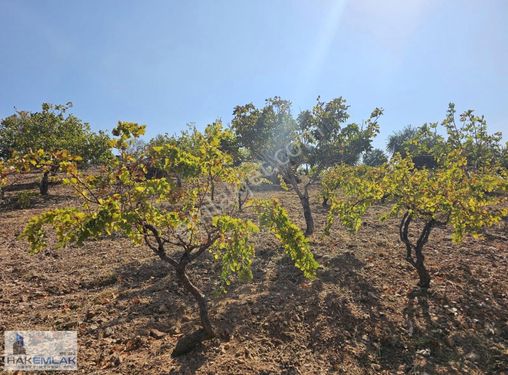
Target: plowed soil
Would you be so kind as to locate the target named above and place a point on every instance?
(361, 316)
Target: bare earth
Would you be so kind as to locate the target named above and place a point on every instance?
(359, 317)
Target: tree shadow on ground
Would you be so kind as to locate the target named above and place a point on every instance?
(340, 314)
(357, 318)
(36, 201)
(330, 320)
(155, 306)
(457, 335)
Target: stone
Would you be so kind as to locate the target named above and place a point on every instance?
(156, 334)
(472, 356)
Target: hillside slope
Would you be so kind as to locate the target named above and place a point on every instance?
(358, 317)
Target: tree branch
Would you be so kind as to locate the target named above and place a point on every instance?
(159, 249)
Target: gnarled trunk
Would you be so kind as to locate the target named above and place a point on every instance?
(325, 203)
(200, 299)
(307, 213)
(304, 200)
(189, 342)
(423, 274)
(212, 189)
(44, 184)
(418, 261)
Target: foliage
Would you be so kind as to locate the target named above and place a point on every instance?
(216, 163)
(233, 248)
(504, 156)
(327, 140)
(24, 199)
(263, 132)
(248, 175)
(374, 157)
(276, 219)
(428, 146)
(7, 170)
(42, 160)
(207, 147)
(50, 130)
(399, 141)
(469, 135)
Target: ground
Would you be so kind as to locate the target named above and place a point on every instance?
(359, 317)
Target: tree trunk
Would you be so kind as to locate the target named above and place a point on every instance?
(304, 200)
(307, 213)
(44, 185)
(212, 189)
(200, 299)
(325, 202)
(419, 263)
(188, 343)
(422, 271)
(240, 202)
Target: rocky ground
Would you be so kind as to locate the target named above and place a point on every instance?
(358, 317)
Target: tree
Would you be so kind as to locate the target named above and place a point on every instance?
(43, 161)
(314, 141)
(6, 171)
(450, 195)
(398, 142)
(207, 147)
(212, 147)
(374, 157)
(483, 151)
(52, 129)
(179, 225)
(415, 142)
(504, 156)
(427, 145)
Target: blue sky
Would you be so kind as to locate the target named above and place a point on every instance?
(167, 63)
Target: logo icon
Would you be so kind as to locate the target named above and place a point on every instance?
(40, 350)
(18, 347)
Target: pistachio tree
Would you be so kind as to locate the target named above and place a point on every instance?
(7, 170)
(52, 129)
(315, 140)
(44, 162)
(451, 195)
(467, 132)
(178, 225)
(215, 147)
